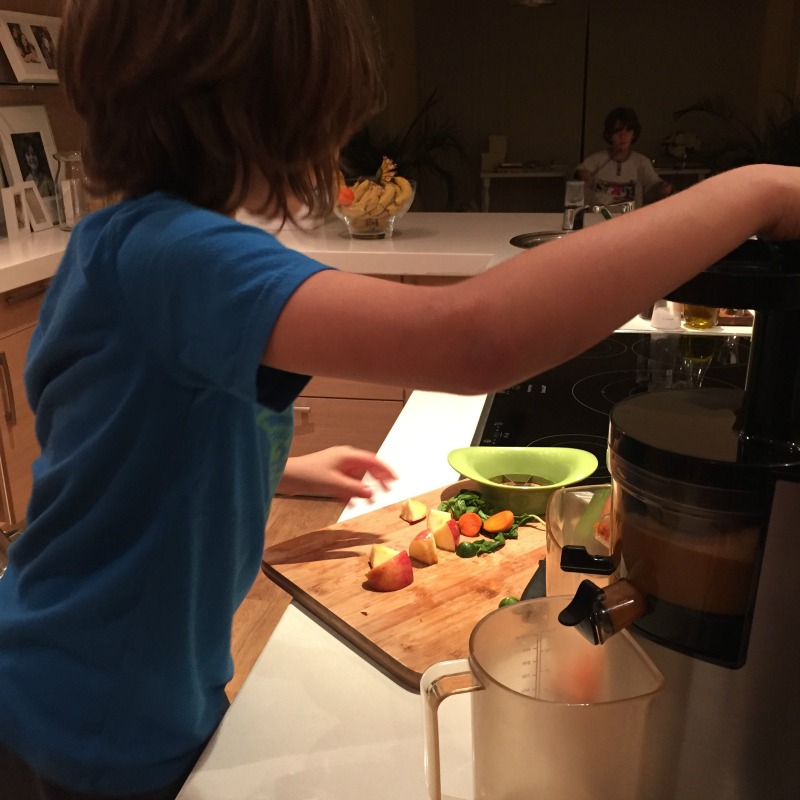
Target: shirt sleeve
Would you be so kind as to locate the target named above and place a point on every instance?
(205, 292)
(648, 175)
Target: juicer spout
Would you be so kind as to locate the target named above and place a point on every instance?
(600, 613)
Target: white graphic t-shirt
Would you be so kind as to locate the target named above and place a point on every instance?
(619, 181)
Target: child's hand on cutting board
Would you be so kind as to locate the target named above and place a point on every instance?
(336, 472)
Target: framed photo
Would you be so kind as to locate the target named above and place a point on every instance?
(15, 212)
(28, 152)
(38, 216)
(29, 42)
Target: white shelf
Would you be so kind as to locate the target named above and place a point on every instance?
(30, 258)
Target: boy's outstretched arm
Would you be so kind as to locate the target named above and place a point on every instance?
(539, 308)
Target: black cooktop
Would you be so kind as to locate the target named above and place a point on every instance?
(568, 406)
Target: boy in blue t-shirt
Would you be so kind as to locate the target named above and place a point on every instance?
(173, 340)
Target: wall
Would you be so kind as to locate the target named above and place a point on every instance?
(519, 71)
(64, 123)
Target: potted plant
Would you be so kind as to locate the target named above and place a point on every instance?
(423, 152)
(681, 146)
(777, 141)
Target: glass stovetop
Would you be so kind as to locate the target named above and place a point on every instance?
(568, 406)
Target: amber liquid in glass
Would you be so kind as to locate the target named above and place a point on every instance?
(700, 317)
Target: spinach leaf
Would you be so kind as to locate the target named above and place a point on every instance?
(470, 500)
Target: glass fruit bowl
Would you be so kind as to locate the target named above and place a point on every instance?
(370, 208)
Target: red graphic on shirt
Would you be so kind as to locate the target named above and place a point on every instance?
(621, 192)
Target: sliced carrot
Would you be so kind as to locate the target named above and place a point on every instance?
(470, 524)
(500, 522)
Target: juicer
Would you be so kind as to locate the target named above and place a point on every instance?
(705, 539)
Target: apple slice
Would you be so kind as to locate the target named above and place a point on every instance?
(447, 536)
(413, 511)
(380, 553)
(390, 572)
(423, 548)
(436, 518)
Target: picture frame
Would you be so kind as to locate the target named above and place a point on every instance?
(29, 42)
(38, 216)
(28, 152)
(15, 212)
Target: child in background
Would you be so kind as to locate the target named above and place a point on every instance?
(620, 174)
(173, 340)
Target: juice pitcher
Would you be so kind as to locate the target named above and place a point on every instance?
(552, 716)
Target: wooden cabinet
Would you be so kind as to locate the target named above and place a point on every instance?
(331, 412)
(19, 311)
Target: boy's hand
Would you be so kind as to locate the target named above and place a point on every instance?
(336, 472)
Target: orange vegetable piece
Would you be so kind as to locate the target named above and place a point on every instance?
(346, 196)
(470, 524)
(500, 522)
(602, 528)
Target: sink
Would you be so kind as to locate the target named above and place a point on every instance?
(527, 240)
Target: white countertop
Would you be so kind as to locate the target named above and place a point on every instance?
(31, 257)
(317, 721)
(424, 243)
(446, 244)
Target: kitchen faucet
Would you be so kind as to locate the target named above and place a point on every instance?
(573, 217)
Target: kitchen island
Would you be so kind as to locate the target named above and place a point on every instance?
(424, 243)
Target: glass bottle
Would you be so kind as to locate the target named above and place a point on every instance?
(71, 195)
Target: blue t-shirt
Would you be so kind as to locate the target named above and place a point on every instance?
(162, 443)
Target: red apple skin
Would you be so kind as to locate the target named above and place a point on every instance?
(455, 530)
(442, 541)
(391, 575)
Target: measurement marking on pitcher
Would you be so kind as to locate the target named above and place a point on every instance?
(529, 665)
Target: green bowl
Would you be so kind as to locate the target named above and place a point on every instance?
(553, 466)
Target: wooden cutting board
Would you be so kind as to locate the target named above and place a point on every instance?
(405, 631)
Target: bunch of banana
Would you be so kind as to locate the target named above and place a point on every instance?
(377, 197)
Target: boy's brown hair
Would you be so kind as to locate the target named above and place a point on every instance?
(626, 117)
(190, 96)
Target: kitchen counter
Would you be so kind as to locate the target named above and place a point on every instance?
(317, 721)
(30, 258)
(441, 244)
(424, 243)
